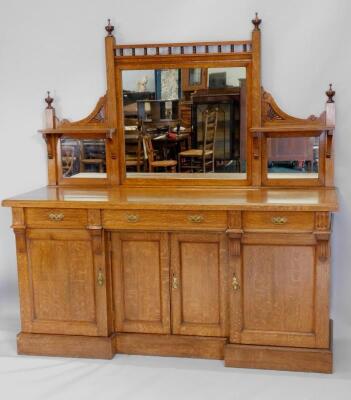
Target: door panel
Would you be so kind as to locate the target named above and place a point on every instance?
(279, 283)
(198, 284)
(64, 295)
(140, 265)
(281, 296)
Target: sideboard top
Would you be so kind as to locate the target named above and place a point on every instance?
(268, 199)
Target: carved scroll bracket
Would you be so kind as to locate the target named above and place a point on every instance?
(329, 143)
(323, 250)
(322, 221)
(234, 233)
(20, 234)
(235, 246)
(50, 145)
(323, 245)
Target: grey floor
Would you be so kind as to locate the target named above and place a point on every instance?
(138, 377)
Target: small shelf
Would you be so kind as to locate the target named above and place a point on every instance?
(107, 132)
(292, 128)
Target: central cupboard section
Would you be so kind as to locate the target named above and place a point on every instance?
(170, 283)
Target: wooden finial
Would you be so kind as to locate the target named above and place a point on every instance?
(109, 28)
(256, 22)
(330, 93)
(49, 100)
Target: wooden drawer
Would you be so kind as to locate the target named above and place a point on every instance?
(165, 220)
(278, 220)
(56, 218)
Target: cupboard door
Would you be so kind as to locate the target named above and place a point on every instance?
(282, 297)
(140, 266)
(198, 284)
(63, 283)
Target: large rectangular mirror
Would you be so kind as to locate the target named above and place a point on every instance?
(189, 123)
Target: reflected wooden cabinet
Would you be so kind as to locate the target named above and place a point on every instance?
(62, 284)
(193, 79)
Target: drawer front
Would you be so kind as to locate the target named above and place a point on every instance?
(56, 218)
(167, 220)
(299, 221)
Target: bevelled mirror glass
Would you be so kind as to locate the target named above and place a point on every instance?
(293, 157)
(188, 123)
(83, 158)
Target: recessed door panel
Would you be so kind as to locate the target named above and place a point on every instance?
(198, 284)
(140, 264)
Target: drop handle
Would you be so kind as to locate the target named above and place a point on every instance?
(175, 283)
(235, 283)
(100, 278)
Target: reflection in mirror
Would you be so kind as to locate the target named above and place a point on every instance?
(83, 158)
(290, 158)
(185, 123)
(194, 76)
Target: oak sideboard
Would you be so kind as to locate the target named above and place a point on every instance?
(170, 227)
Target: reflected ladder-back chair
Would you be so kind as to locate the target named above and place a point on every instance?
(67, 160)
(87, 158)
(150, 155)
(202, 158)
(134, 155)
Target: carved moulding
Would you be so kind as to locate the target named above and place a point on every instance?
(273, 114)
(96, 118)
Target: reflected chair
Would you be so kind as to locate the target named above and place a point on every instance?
(95, 158)
(202, 158)
(67, 160)
(134, 158)
(150, 155)
(134, 152)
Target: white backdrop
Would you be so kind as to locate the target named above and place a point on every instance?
(59, 46)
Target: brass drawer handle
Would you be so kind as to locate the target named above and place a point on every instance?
(132, 218)
(175, 283)
(56, 216)
(279, 220)
(100, 278)
(196, 218)
(235, 283)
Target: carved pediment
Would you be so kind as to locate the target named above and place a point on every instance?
(96, 118)
(272, 114)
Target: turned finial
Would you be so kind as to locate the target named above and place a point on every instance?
(48, 101)
(257, 21)
(330, 93)
(109, 28)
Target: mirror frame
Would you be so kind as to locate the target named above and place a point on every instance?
(295, 181)
(264, 116)
(65, 181)
(163, 179)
